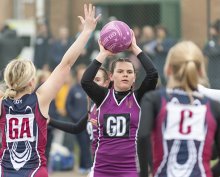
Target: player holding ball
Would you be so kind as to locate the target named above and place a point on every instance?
(118, 110)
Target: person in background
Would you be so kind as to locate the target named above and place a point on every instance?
(77, 107)
(10, 47)
(163, 44)
(89, 120)
(148, 40)
(59, 46)
(102, 79)
(61, 97)
(212, 52)
(137, 34)
(179, 121)
(42, 46)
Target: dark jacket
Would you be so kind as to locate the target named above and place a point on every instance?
(10, 47)
(76, 103)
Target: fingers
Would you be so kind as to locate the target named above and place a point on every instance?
(133, 36)
(48, 120)
(85, 10)
(93, 11)
(90, 9)
(99, 42)
(132, 32)
(89, 21)
(81, 19)
(93, 121)
(98, 17)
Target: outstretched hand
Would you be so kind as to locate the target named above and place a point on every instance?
(89, 21)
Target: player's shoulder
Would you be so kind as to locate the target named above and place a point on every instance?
(153, 95)
(157, 91)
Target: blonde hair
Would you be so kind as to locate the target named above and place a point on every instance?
(187, 64)
(2, 89)
(18, 73)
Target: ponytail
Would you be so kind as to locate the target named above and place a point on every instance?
(186, 62)
(187, 75)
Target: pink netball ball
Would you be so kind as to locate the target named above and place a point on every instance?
(116, 36)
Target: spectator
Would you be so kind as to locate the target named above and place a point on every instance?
(137, 34)
(61, 97)
(59, 47)
(41, 46)
(163, 44)
(148, 42)
(76, 106)
(212, 51)
(10, 46)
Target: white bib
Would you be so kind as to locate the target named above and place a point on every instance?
(185, 122)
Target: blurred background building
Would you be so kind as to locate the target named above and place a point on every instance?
(183, 18)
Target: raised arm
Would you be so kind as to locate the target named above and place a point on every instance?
(150, 81)
(93, 90)
(211, 93)
(47, 91)
(151, 78)
(70, 127)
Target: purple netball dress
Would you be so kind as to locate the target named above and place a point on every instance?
(24, 138)
(117, 124)
(92, 128)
